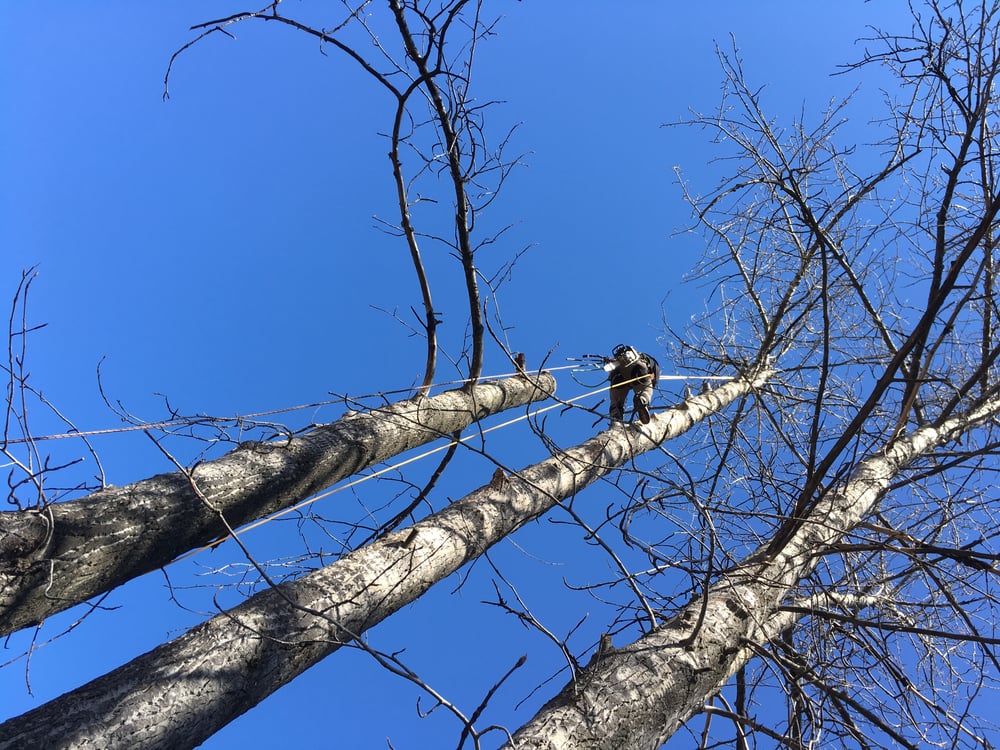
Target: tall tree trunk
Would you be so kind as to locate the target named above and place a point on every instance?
(65, 553)
(635, 697)
(181, 693)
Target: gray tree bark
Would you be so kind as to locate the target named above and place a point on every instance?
(63, 554)
(182, 692)
(637, 696)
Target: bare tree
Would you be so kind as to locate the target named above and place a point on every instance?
(850, 574)
(181, 693)
(56, 555)
(827, 545)
(53, 556)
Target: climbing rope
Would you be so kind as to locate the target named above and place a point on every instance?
(207, 419)
(375, 474)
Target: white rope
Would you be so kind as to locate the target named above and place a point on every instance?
(205, 419)
(380, 472)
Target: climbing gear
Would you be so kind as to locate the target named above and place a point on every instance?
(590, 362)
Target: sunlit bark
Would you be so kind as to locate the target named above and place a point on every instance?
(635, 697)
(65, 553)
(182, 692)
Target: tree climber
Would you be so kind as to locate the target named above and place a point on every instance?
(628, 370)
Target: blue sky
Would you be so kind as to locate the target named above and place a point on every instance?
(220, 248)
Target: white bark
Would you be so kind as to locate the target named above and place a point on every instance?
(68, 552)
(636, 697)
(182, 692)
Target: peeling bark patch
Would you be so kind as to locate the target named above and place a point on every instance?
(737, 609)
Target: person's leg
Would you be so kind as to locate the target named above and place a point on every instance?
(617, 409)
(643, 397)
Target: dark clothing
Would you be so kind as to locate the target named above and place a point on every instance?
(641, 378)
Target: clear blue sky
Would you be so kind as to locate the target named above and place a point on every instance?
(219, 248)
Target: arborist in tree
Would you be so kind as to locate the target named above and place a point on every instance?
(628, 370)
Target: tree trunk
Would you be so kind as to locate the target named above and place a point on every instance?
(181, 693)
(636, 697)
(55, 557)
